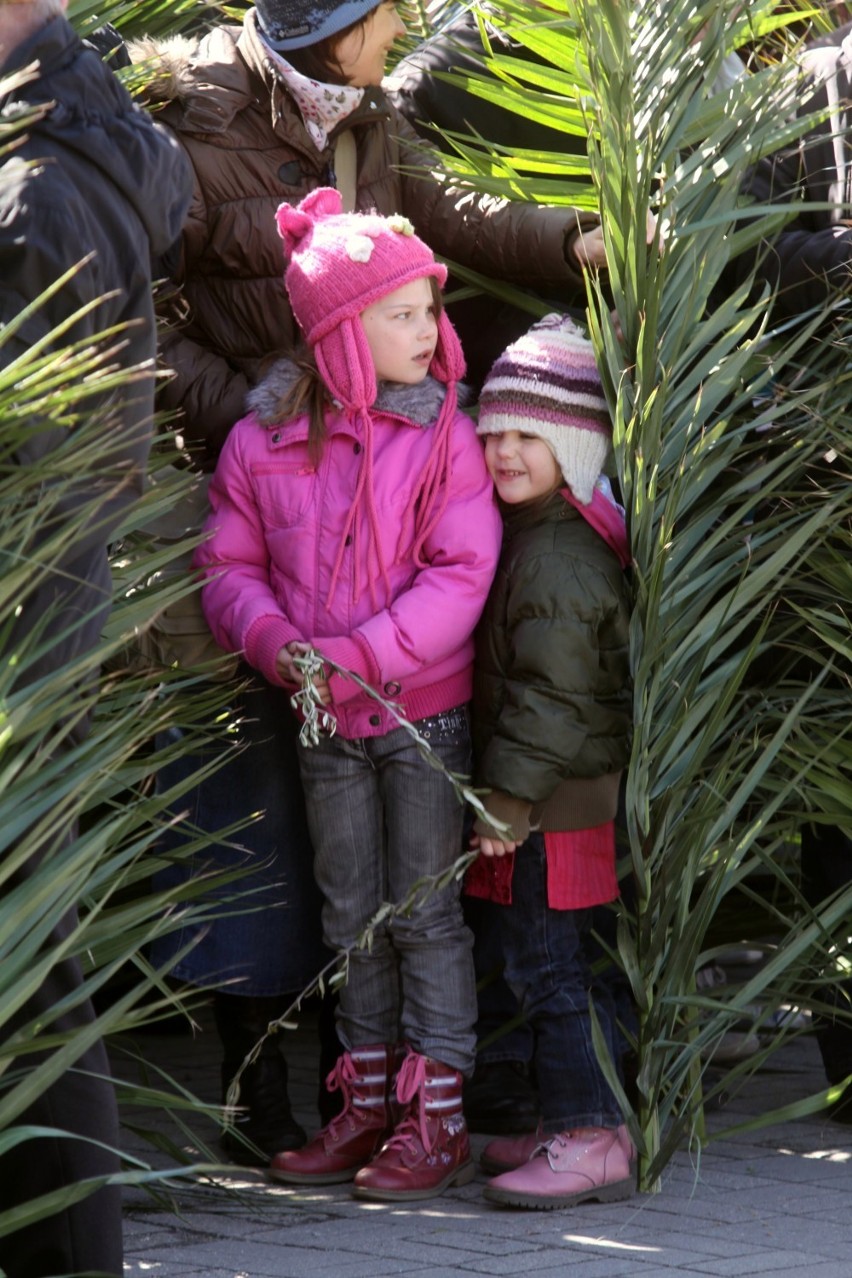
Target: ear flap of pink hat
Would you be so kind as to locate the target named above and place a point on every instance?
(448, 362)
(346, 365)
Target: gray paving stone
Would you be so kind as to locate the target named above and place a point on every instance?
(162, 1268)
(792, 1168)
(401, 1236)
(778, 1262)
(818, 1241)
(579, 1267)
(715, 1212)
(264, 1260)
(705, 1244)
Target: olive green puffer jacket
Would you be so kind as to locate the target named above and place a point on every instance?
(552, 699)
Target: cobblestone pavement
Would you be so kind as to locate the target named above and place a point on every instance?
(766, 1203)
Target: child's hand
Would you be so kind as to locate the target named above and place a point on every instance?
(285, 665)
(492, 847)
(290, 673)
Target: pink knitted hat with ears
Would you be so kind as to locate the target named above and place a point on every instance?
(337, 265)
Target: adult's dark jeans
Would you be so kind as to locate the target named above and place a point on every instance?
(547, 967)
(266, 943)
(502, 1034)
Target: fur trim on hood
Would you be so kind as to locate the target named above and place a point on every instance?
(206, 76)
(168, 59)
(421, 404)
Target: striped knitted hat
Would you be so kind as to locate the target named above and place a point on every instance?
(547, 384)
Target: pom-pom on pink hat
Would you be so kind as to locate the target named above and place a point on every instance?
(338, 264)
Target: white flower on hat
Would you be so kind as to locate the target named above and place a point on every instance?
(359, 248)
(401, 224)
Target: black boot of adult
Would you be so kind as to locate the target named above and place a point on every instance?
(826, 868)
(329, 1103)
(264, 1125)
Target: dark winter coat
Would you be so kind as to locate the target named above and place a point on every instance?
(552, 701)
(431, 104)
(110, 184)
(418, 89)
(250, 151)
(811, 258)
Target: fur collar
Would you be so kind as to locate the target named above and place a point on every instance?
(421, 404)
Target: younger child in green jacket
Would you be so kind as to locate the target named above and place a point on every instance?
(551, 725)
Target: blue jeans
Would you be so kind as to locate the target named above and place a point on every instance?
(547, 967)
(501, 1032)
(380, 819)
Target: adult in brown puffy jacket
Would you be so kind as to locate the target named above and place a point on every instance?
(266, 113)
(259, 132)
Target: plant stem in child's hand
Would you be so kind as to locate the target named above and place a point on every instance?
(313, 661)
(309, 699)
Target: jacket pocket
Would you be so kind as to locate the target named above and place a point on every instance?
(285, 490)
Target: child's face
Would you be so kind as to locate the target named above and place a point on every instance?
(402, 333)
(522, 466)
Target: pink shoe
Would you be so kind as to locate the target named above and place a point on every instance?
(627, 1145)
(587, 1165)
(508, 1152)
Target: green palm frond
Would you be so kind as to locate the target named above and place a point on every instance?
(145, 17)
(739, 525)
(720, 430)
(98, 784)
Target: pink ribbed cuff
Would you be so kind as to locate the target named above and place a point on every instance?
(353, 654)
(265, 639)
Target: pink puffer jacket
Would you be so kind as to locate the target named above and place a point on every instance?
(278, 522)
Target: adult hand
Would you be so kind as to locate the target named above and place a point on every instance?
(589, 248)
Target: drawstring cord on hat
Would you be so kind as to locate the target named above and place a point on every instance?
(436, 481)
(426, 507)
(429, 498)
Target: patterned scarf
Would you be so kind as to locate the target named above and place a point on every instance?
(322, 106)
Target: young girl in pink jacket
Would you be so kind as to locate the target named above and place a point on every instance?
(353, 513)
